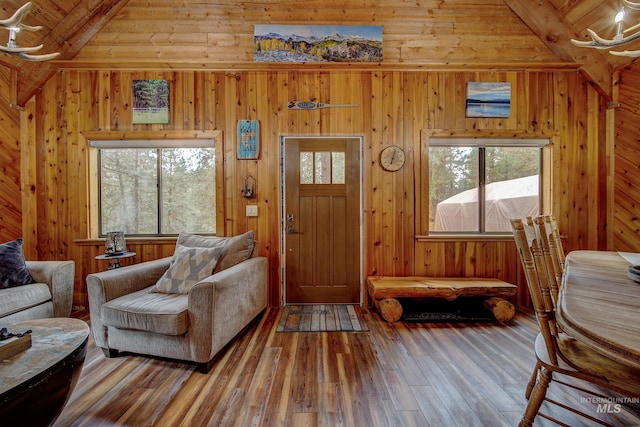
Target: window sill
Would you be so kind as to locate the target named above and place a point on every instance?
(465, 238)
(137, 240)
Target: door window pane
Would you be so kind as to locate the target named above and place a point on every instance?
(323, 167)
(306, 167)
(337, 167)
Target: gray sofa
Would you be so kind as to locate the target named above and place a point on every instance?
(129, 314)
(50, 296)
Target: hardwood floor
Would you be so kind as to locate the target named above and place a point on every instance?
(400, 374)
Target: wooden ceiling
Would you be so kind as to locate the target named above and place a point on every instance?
(70, 24)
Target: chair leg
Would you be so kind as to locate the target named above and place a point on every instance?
(205, 367)
(109, 352)
(532, 381)
(537, 397)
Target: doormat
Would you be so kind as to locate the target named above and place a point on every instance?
(321, 318)
(467, 309)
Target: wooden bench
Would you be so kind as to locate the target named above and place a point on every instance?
(385, 291)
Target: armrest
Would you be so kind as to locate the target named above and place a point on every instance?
(59, 276)
(111, 284)
(125, 280)
(221, 305)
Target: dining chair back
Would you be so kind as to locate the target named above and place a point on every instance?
(555, 240)
(556, 351)
(538, 280)
(545, 237)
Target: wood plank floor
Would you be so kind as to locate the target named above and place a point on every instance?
(401, 374)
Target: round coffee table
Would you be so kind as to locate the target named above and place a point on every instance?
(36, 383)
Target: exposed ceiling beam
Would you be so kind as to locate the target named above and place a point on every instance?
(68, 37)
(556, 32)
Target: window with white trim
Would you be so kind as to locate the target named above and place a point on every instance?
(156, 188)
(478, 185)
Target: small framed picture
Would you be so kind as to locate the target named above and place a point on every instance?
(488, 99)
(248, 139)
(151, 101)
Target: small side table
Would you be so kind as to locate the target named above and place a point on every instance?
(116, 259)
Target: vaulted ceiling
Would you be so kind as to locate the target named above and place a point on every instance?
(68, 25)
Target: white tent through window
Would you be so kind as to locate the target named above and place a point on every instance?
(504, 200)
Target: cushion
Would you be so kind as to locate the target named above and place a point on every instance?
(195, 241)
(20, 298)
(165, 314)
(235, 249)
(13, 268)
(188, 267)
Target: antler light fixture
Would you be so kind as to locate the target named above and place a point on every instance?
(619, 39)
(14, 25)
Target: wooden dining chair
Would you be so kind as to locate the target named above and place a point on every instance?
(554, 261)
(558, 354)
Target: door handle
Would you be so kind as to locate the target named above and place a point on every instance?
(291, 230)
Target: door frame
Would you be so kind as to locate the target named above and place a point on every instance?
(283, 266)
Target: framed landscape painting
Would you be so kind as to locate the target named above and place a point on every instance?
(317, 43)
(488, 99)
(150, 101)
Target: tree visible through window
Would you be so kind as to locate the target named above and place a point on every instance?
(157, 191)
(480, 188)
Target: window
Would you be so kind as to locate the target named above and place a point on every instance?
(154, 191)
(478, 185)
(322, 167)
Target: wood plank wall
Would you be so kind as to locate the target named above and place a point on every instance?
(414, 31)
(394, 108)
(10, 199)
(626, 212)
(420, 86)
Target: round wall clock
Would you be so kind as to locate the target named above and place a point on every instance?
(392, 158)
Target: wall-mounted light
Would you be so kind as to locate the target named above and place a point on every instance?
(249, 187)
(14, 25)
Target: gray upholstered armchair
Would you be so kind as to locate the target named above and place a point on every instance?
(51, 294)
(131, 312)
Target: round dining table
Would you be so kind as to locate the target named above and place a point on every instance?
(599, 304)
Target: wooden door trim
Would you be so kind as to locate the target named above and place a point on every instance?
(283, 223)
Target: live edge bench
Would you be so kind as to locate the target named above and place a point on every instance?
(385, 291)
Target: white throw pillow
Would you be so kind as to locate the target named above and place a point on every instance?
(188, 267)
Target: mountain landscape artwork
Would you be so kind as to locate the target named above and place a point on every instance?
(488, 99)
(317, 43)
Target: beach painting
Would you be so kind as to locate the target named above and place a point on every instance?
(488, 99)
(317, 43)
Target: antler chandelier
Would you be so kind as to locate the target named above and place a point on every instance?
(14, 25)
(619, 39)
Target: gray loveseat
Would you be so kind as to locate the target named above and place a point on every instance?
(50, 296)
(130, 314)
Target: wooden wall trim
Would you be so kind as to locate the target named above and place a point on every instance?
(90, 65)
(152, 134)
(487, 133)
